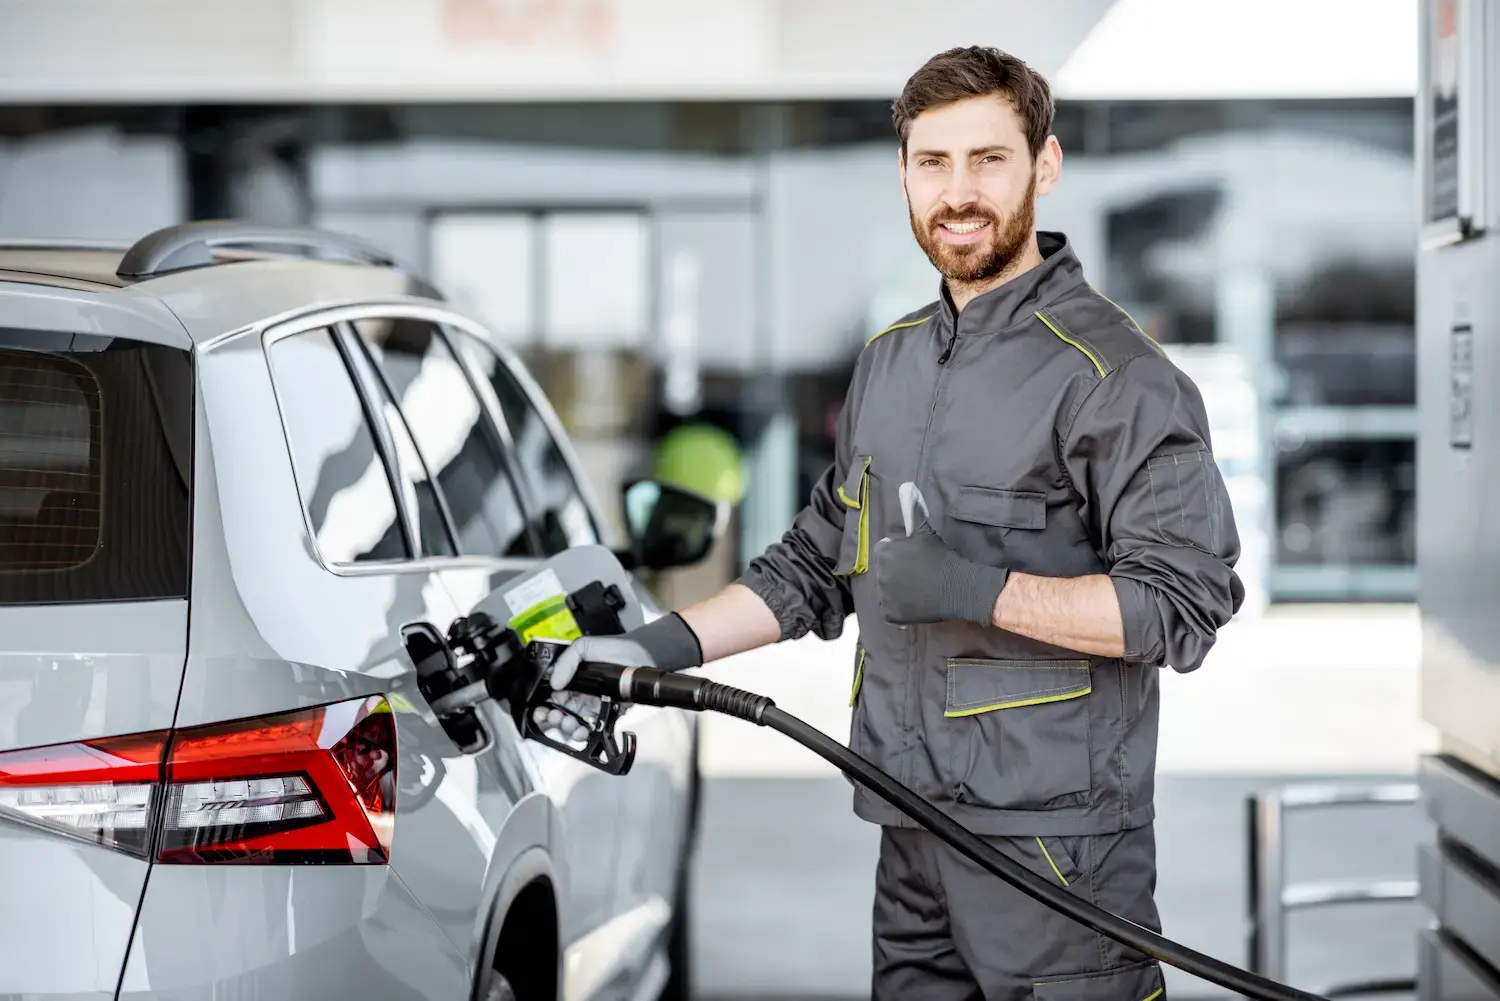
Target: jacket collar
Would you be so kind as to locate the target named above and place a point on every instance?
(998, 308)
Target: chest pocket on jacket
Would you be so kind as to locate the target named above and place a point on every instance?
(854, 493)
(980, 519)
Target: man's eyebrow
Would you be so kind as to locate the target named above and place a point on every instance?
(978, 151)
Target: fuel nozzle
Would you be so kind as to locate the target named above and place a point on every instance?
(599, 747)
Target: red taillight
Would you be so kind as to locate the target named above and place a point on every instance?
(100, 790)
(316, 785)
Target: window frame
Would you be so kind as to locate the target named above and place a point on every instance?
(380, 393)
(536, 399)
(491, 420)
(379, 433)
(339, 319)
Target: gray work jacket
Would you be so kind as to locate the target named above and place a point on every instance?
(1049, 435)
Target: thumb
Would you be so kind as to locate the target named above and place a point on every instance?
(911, 503)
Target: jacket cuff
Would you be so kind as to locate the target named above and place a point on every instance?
(768, 591)
(1142, 631)
(968, 591)
(671, 642)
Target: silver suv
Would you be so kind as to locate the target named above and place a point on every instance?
(246, 475)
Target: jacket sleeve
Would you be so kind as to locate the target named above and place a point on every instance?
(1139, 454)
(794, 576)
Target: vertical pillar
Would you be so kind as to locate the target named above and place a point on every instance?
(1245, 322)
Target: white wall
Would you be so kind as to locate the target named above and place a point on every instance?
(92, 184)
(411, 50)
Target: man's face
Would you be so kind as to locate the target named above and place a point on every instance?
(971, 185)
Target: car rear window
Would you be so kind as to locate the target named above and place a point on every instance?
(95, 445)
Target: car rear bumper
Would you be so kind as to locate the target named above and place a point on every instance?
(288, 932)
(66, 910)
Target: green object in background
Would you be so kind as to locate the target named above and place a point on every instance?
(704, 459)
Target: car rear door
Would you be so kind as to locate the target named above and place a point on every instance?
(307, 561)
(649, 801)
(455, 437)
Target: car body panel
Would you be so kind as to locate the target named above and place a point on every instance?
(76, 672)
(260, 594)
(270, 626)
(319, 636)
(653, 818)
(67, 942)
(209, 932)
(586, 800)
(111, 314)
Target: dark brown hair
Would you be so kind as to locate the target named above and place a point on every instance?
(977, 71)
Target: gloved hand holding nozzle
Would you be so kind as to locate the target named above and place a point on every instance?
(666, 643)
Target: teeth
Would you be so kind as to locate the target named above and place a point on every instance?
(963, 227)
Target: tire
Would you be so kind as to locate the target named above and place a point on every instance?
(498, 989)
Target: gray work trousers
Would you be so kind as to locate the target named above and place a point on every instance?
(947, 930)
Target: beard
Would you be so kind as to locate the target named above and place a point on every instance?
(977, 263)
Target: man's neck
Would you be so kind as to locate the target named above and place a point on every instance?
(964, 293)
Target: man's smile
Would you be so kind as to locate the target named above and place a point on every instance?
(971, 231)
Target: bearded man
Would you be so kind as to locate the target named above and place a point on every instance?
(1025, 514)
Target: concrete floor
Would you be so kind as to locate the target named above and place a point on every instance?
(784, 874)
(784, 883)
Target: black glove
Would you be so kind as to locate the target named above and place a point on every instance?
(919, 579)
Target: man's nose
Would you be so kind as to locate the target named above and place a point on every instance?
(960, 192)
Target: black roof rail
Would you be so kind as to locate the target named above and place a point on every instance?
(192, 244)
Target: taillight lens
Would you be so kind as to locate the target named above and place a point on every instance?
(316, 785)
(101, 791)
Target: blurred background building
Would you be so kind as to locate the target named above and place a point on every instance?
(689, 211)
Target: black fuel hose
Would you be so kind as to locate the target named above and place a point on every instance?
(650, 686)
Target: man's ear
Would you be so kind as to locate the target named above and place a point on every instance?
(901, 172)
(1048, 165)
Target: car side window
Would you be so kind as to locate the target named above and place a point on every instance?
(561, 515)
(344, 484)
(457, 446)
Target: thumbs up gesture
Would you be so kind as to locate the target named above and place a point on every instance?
(919, 579)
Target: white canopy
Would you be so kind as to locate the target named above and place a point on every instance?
(1193, 49)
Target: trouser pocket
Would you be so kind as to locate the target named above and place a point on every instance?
(1139, 982)
(1059, 860)
(854, 547)
(1020, 732)
(859, 672)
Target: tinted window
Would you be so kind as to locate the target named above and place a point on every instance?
(562, 516)
(344, 483)
(94, 468)
(457, 443)
(417, 483)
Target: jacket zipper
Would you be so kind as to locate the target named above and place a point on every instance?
(914, 677)
(948, 351)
